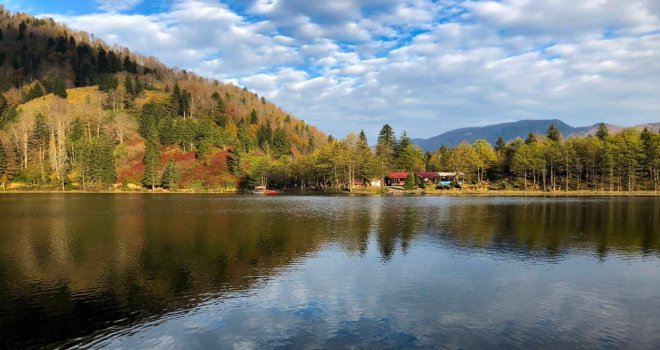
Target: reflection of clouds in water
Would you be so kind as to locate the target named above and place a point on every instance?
(334, 300)
(269, 272)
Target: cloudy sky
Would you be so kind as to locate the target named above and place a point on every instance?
(423, 66)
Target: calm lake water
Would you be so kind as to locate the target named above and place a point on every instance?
(249, 272)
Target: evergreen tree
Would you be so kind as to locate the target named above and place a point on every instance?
(3, 160)
(234, 163)
(602, 133)
(553, 133)
(386, 137)
(114, 64)
(128, 85)
(265, 136)
(531, 138)
(149, 115)
(500, 145)
(138, 86)
(102, 61)
(246, 143)
(107, 82)
(57, 87)
(35, 92)
(253, 117)
(77, 130)
(103, 165)
(151, 157)
(281, 145)
(21, 31)
(170, 176)
(219, 112)
(410, 181)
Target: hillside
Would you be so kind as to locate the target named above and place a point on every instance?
(67, 99)
(510, 131)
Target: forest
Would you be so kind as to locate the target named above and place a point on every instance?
(77, 114)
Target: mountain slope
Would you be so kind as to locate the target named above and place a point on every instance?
(66, 97)
(510, 131)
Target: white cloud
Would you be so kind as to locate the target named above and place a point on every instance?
(420, 65)
(117, 5)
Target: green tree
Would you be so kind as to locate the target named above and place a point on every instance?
(3, 166)
(219, 113)
(170, 176)
(151, 158)
(57, 86)
(281, 145)
(553, 133)
(253, 117)
(486, 157)
(602, 133)
(410, 181)
(531, 138)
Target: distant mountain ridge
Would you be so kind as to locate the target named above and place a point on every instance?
(509, 131)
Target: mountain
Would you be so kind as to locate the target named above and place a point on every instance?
(510, 131)
(70, 102)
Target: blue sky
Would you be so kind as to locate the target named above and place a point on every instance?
(423, 66)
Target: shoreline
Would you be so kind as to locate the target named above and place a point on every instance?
(449, 193)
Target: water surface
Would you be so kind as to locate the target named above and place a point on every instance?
(249, 272)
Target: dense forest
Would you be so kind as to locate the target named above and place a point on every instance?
(77, 114)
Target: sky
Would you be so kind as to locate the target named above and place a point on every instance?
(423, 66)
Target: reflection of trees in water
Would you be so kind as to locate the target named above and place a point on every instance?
(147, 258)
(397, 225)
(550, 227)
(79, 265)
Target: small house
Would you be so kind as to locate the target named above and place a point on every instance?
(427, 177)
(376, 183)
(396, 178)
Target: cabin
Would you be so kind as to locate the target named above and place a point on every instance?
(428, 177)
(396, 178)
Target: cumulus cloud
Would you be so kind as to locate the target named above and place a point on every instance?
(423, 66)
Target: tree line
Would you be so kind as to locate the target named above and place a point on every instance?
(625, 161)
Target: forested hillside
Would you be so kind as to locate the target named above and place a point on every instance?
(76, 113)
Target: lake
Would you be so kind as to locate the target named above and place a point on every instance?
(250, 272)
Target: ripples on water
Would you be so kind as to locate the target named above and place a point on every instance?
(207, 271)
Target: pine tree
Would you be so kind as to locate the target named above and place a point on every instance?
(57, 87)
(234, 163)
(602, 133)
(553, 133)
(386, 137)
(500, 145)
(410, 181)
(3, 159)
(170, 176)
(218, 112)
(531, 138)
(138, 86)
(21, 31)
(151, 157)
(102, 61)
(253, 117)
(128, 85)
(281, 145)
